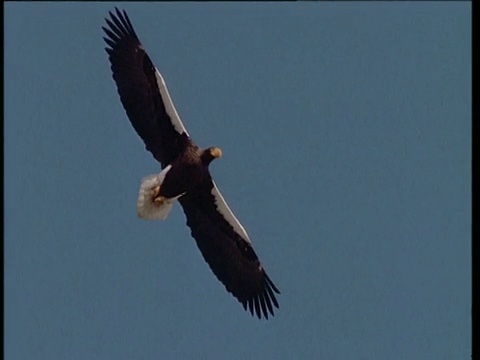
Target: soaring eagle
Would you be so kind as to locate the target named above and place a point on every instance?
(222, 240)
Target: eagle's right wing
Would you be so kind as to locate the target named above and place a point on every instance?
(143, 91)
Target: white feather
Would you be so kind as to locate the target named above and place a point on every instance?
(169, 107)
(146, 207)
(228, 214)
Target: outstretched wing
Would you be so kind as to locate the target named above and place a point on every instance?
(143, 91)
(227, 249)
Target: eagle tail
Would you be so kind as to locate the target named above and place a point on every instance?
(150, 204)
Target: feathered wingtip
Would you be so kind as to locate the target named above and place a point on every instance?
(119, 28)
(265, 300)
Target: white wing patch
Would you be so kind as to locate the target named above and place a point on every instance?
(169, 107)
(228, 214)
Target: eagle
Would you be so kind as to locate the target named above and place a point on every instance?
(185, 176)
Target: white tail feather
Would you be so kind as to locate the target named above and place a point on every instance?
(149, 209)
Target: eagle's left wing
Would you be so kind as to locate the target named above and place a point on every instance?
(227, 249)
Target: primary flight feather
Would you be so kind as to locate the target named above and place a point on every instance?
(185, 177)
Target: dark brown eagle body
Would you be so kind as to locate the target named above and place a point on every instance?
(189, 171)
(222, 240)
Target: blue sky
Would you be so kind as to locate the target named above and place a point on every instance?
(346, 135)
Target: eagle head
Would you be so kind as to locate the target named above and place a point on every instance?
(210, 154)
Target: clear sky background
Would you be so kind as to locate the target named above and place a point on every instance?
(346, 135)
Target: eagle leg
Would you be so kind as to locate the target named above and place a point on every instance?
(156, 197)
(151, 205)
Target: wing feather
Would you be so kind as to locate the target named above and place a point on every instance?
(267, 300)
(250, 306)
(257, 307)
(262, 303)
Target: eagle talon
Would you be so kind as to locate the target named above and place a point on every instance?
(156, 197)
(159, 199)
